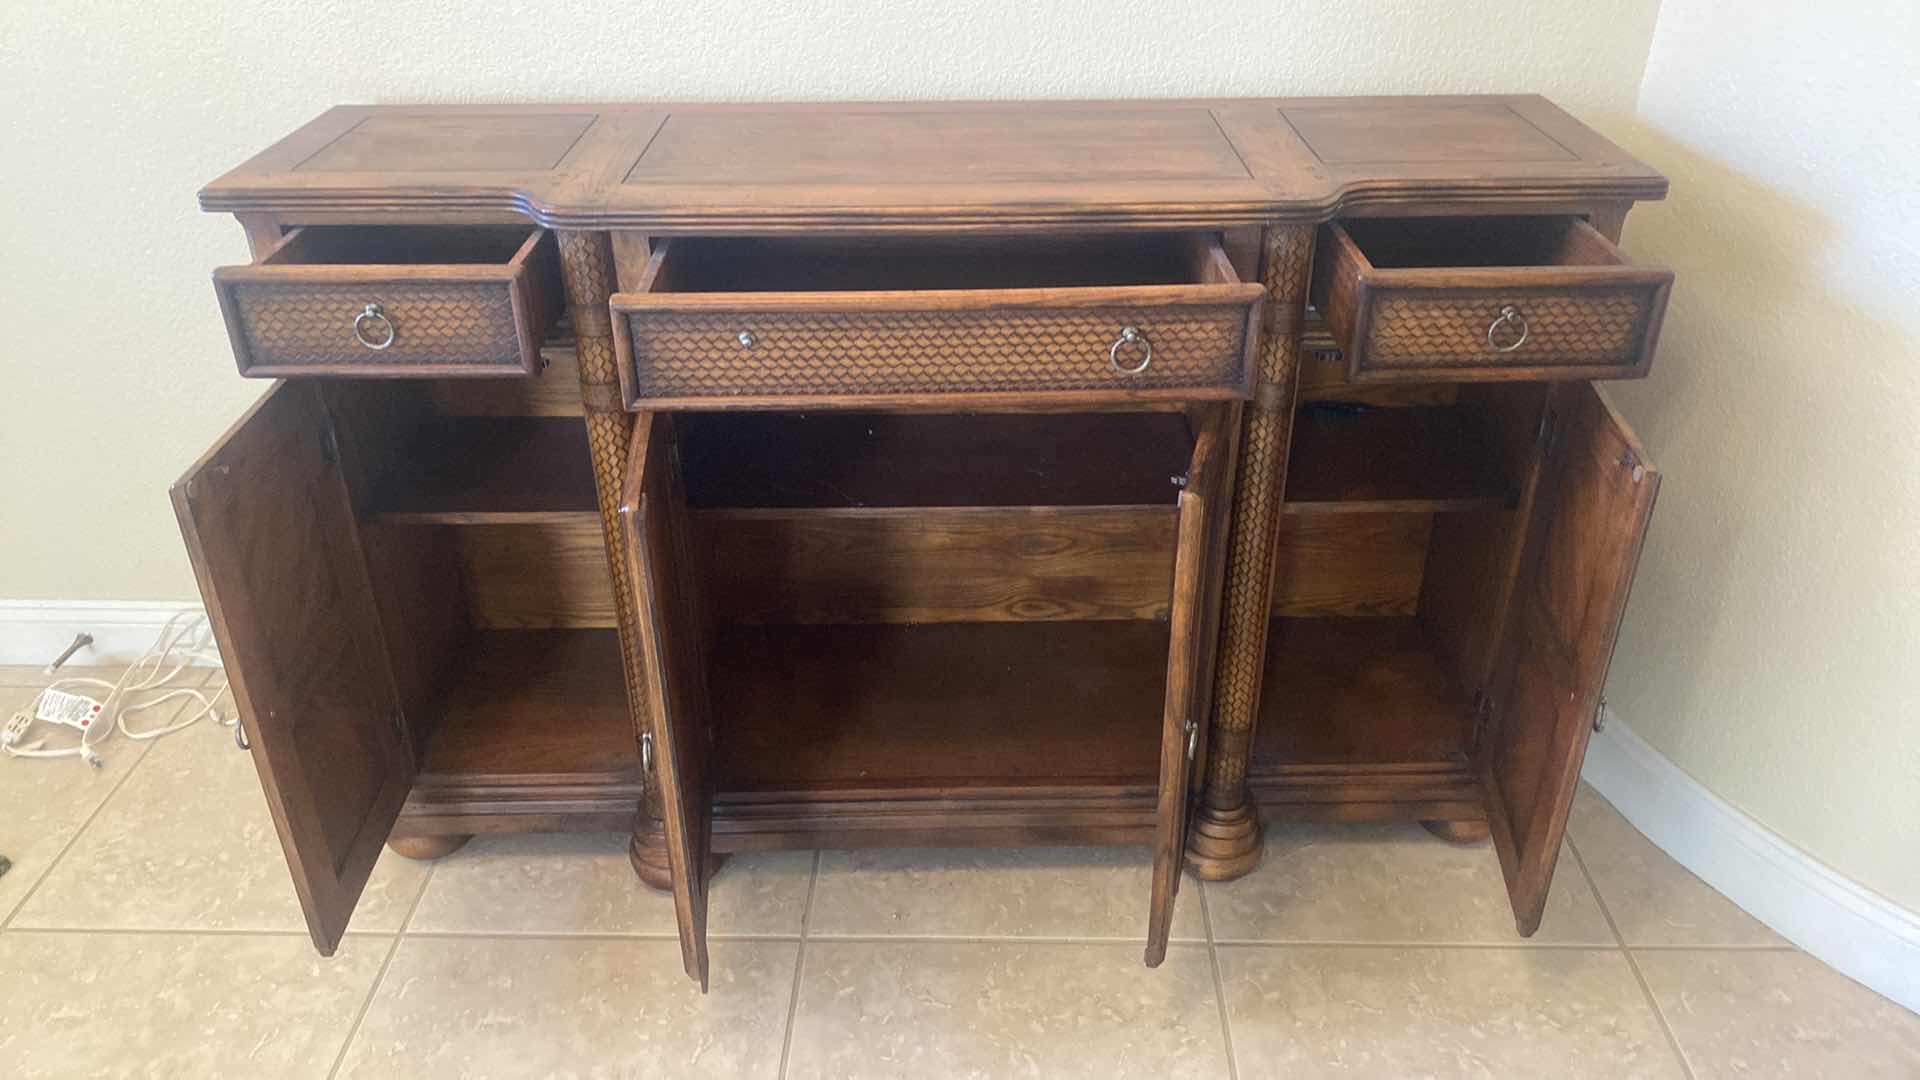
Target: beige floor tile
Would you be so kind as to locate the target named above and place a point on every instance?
(187, 844)
(43, 803)
(559, 884)
(474, 1007)
(186, 1005)
(1391, 884)
(1756, 1013)
(1004, 1009)
(1653, 899)
(1306, 1011)
(1094, 892)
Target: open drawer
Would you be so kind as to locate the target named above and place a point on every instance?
(935, 323)
(394, 301)
(1465, 299)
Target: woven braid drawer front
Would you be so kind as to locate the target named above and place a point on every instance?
(1577, 310)
(305, 309)
(937, 348)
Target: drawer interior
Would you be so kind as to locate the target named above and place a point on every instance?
(401, 245)
(1438, 243)
(863, 264)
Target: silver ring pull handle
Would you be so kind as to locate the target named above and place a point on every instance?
(373, 329)
(240, 734)
(646, 754)
(1515, 334)
(1133, 340)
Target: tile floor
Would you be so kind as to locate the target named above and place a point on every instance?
(149, 928)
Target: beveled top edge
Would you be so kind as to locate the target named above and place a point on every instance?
(1305, 159)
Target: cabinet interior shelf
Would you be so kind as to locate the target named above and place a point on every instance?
(1368, 691)
(953, 706)
(533, 702)
(1401, 459)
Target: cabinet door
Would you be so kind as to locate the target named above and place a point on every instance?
(662, 563)
(1577, 564)
(1199, 561)
(270, 527)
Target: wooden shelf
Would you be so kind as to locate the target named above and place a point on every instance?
(954, 706)
(1358, 691)
(1401, 459)
(534, 703)
(489, 470)
(844, 460)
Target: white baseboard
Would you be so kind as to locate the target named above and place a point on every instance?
(33, 632)
(1850, 928)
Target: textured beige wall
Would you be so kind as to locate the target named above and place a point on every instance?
(1772, 648)
(115, 373)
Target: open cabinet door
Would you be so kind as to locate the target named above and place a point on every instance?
(271, 530)
(1577, 563)
(662, 563)
(1198, 563)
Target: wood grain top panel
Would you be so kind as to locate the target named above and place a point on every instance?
(1416, 132)
(460, 142)
(939, 146)
(746, 168)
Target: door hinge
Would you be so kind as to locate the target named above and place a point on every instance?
(1548, 436)
(1600, 714)
(399, 722)
(330, 442)
(1482, 717)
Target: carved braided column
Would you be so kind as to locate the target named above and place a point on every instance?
(586, 266)
(1224, 841)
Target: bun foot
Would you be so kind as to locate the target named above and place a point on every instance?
(427, 848)
(1223, 844)
(1459, 832)
(647, 851)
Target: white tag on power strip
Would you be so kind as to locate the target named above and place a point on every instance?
(73, 710)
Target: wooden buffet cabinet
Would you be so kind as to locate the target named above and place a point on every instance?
(770, 476)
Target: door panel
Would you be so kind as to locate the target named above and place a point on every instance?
(1199, 562)
(1581, 548)
(270, 527)
(662, 561)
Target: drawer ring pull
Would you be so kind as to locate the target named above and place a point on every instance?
(372, 318)
(1130, 337)
(1508, 314)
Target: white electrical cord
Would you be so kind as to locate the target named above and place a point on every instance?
(186, 638)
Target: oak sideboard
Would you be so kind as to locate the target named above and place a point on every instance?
(773, 476)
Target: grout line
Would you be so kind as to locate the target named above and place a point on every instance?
(1219, 984)
(1788, 947)
(1508, 946)
(176, 931)
(997, 939)
(799, 967)
(21, 904)
(1673, 1041)
(586, 935)
(366, 1003)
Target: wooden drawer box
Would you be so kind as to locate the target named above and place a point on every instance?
(935, 323)
(1467, 299)
(394, 301)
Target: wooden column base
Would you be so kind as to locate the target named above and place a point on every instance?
(647, 851)
(427, 848)
(1459, 832)
(1223, 844)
